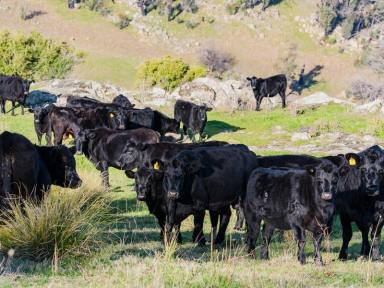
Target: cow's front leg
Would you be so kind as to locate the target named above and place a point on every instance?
(376, 237)
(198, 235)
(2, 106)
(105, 175)
(266, 235)
(224, 220)
(365, 247)
(317, 239)
(13, 108)
(300, 238)
(214, 222)
(239, 218)
(258, 103)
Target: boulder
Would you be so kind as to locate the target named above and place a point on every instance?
(371, 107)
(300, 136)
(319, 98)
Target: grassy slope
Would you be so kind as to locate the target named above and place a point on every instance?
(135, 258)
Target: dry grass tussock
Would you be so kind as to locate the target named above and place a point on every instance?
(66, 223)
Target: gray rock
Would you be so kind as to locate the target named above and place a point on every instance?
(319, 98)
(303, 136)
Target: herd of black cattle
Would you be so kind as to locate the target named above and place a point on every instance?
(176, 180)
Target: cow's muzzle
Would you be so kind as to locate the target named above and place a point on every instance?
(141, 197)
(326, 196)
(173, 195)
(373, 190)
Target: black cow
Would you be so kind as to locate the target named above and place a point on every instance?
(65, 120)
(82, 102)
(41, 123)
(122, 101)
(14, 89)
(192, 116)
(149, 188)
(360, 199)
(27, 170)
(209, 178)
(107, 148)
(290, 199)
(268, 87)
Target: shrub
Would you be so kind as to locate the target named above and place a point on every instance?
(168, 73)
(365, 91)
(123, 21)
(374, 58)
(67, 223)
(94, 5)
(217, 62)
(34, 57)
(327, 16)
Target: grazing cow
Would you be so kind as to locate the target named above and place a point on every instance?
(268, 87)
(360, 199)
(41, 122)
(209, 178)
(65, 120)
(14, 89)
(27, 170)
(122, 101)
(107, 148)
(290, 199)
(192, 116)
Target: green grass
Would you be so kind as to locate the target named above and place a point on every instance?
(133, 256)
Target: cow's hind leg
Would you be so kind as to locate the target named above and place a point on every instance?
(224, 220)
(283, 99)
(198, 235)
(317, 239)
(266, 235)
(300, 238)
(376, 237)
(347, 236)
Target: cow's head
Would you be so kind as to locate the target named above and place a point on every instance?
(254, 82)
(122, 101)
(370, 164)
(326, 176)
(144, 179)
(182, 166)
(26, 86)
(202, 112)
(64, 174)
(117, 118)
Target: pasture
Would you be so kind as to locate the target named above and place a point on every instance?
(132, 256)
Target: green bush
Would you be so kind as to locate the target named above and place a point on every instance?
(124, 21)
(34, 57)
(66, 224)
(328, 16)
(168, 73)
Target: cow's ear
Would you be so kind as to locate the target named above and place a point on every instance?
(72, 149)
(311, 170)
(30, 110)
(249, 79)
(353, 159)
(130, 174)
(208, 108)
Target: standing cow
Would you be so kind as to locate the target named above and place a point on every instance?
(192, 116)
(209, 178)
(290, 199)
(268, 87)
(14, 89)
(41, 123)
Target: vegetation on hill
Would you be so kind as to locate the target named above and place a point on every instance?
(168, 72)
(34, 57)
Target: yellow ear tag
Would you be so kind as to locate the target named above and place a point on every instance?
(156, 166)
(352, 161)
(111, 115)
(70, 136)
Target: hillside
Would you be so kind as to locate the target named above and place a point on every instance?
(256, 40)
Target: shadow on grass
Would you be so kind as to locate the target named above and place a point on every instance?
(306, 80)
(215, 127)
